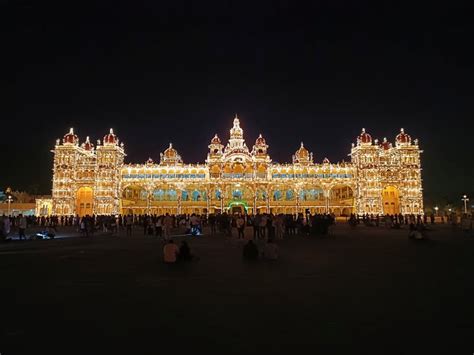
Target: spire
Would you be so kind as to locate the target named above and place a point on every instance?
(236, 122)
(236, 131)
(236, 142)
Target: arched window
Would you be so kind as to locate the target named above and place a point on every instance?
(237, 194)
(158, 195)
(277, 195)
(184, 195)
(171, 195)
(196, 196)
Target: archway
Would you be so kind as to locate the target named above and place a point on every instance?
(391, 200)
(341, 200)
(238, 207)
(84, 201)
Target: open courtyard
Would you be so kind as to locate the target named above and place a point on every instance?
(367, 290)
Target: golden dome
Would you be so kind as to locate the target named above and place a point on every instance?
(364, 137)
(170, 152)
(260, 140)
(302, 152)
(302, 156)
(71, 137)
(87, 145)
(215, 140)
(170, 156)
(402, 137)
(111, 138)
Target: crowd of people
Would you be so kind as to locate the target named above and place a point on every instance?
(261, 225)
(416, 224)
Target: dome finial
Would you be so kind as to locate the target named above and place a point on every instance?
(402, 130)
(302, 145)
(71, 130)
(111, 131)
(171, 145)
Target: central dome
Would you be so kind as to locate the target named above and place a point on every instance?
(364, 137)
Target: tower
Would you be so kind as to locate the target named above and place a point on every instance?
(302, 156)
(388, 177)
(170, 156)
(66, 155)
(236, 144)
(214, 157)
(364, 156)
(408, 152)
(110, 158)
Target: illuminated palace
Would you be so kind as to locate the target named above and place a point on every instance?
(380, 178)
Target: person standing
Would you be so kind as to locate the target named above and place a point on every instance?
(22, 224)
(262, 226)
(212, 223)
(82, 227)
(6, 225)
(167, 225)
(279, 229)
(256, 226)
(158, 227)
(240, 224)
(145, 224)
(128, 224)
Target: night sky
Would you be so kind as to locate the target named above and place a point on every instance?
(159, 71)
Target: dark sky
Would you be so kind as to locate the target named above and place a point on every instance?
(159, 71)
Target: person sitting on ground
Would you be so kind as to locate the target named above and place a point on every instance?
(250, 251)
(271, 250)
(416, 232)
(170, 252)
(185, 252)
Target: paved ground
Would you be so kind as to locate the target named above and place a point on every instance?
(363, 291)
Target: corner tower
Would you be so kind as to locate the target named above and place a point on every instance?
(110, 158)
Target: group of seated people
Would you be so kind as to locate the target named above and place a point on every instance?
(173, 254)
(252, 251)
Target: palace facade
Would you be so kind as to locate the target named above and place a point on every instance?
(380, 178)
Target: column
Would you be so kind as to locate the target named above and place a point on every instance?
(268, 203)
(297, 200)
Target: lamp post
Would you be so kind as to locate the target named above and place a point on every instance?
(465, 199)
(9, 202)
(436, 209)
